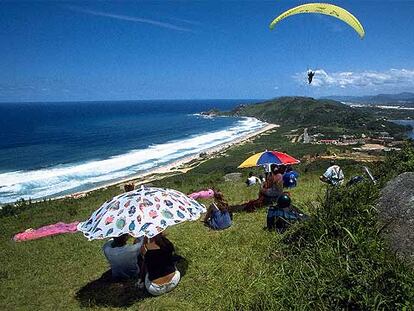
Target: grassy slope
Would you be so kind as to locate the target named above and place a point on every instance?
(242, 268)
(229, 266)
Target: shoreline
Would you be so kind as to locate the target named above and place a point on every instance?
(179, 166)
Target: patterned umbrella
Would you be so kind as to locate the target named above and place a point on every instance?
(269, 157)
(141, 212)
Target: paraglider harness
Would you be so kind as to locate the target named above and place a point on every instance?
(358, 178)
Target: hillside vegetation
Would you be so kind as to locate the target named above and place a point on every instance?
(307, 112)
(336, 260)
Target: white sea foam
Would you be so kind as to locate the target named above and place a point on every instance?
(204, 116)
(66, 179)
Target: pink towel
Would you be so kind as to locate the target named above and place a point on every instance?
(58, 228)
(203, 194)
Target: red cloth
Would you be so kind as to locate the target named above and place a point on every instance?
(58, 228)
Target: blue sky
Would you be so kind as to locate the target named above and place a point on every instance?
(104, 50)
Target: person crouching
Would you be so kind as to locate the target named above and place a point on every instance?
(281, 216)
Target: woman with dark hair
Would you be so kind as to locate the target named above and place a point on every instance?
(158, 269)
(218, 216)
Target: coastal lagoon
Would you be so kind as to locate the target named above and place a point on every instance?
(407, 122)
(55, 149)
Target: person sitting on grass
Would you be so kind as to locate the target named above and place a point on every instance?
(290, 178)
(273, 187)
(123, 257)
(281, 216)
(158, 268)
(252, 180)
(270, 191)
(218, 216)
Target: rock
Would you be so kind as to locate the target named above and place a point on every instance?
(232, 177)
(396, 209)
(211, 113)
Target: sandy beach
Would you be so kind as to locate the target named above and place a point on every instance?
(177, 167)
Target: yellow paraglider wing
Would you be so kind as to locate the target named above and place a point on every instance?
(323, 8)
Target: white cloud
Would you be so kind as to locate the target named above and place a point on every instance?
(392, 78)
(130, 18)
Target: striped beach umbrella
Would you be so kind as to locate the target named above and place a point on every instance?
(269, 157)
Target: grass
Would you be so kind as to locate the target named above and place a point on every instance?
(336, 260)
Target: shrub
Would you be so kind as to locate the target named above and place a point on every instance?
(338, 260)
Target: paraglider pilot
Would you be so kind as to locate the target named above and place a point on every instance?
(310, 76)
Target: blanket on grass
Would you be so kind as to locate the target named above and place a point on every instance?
(54, 229)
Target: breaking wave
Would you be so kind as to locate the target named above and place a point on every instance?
(66, 179)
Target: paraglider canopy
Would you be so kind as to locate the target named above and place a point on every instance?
(323, 8)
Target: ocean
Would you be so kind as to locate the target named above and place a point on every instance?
(54, 149)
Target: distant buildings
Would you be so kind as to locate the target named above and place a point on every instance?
(380, 141)
(306, 138)
(327, 141)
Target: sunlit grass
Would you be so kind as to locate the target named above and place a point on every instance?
(315, 265)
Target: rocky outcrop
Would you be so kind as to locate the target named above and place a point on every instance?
(396, 208)
(232, 177)
(211, 113)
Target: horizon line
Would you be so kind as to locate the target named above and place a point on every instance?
(128, 100)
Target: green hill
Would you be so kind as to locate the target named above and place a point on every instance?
(299, 110)
(307, 112)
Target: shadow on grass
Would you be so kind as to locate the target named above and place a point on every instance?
(105, 292)
(181, 264)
